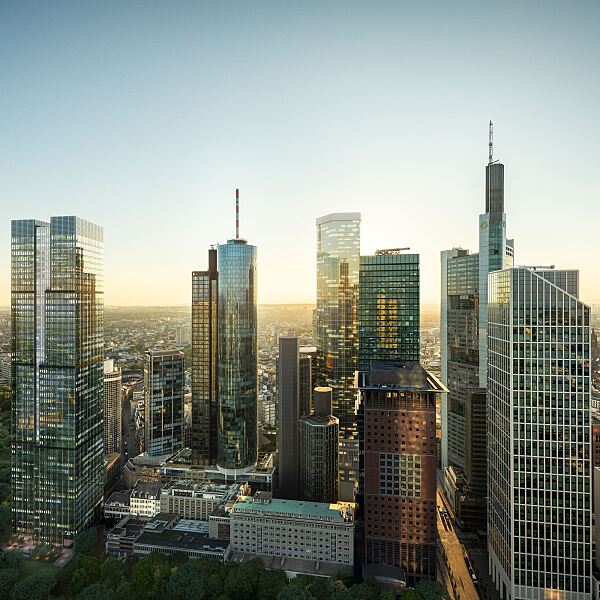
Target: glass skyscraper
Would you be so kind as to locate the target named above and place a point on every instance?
(237, 366)
(57, 350)
(539, 450)
(205, 285)
(388, 308)
(463, 324)
(113, 407)
(336, 334)
(164, 380)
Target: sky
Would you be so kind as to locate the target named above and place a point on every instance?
(145, 116)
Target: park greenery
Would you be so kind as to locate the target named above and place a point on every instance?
(161, 577)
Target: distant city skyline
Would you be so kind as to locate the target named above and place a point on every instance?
(145, 118)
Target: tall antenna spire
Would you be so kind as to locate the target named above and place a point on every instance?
(237, 214)
(491, 143)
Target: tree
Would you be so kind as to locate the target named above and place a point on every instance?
(12, 559)
(96, 591)
(431, 590)
(85, 542)
(367, 590)
(410, 595)
(271, 583)
(35, 587)
(112, 572)
(79, 581)
(293, 592)
(188, 582)
(123, 591)
(387, 595)
(5, 523)
(8, 579)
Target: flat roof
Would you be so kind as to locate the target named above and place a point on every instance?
(319, 510)
(349, 216)
(182, 540)
(408, 376)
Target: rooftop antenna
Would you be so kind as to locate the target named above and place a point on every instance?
(491, 143)
(237, 214)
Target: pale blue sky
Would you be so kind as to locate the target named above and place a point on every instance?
(145, 116)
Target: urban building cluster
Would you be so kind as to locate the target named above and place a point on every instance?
(319, 450)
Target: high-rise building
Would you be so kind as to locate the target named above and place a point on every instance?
(288, 384)
(318, 435)
(164, 379)
(388, 307)
(539, 463)
(5, 369)
(463, 325)
(307, 374)
(237, 366)
(57, 355)
(205, 354)
(113, 407)
(398, 470)
(336, 335)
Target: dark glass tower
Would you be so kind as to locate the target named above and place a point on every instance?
(164, 378)
(205, 287)
(388, 307)
(237, 367)
(57, 349)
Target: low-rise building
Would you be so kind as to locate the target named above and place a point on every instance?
(118, 505)
(145, 499)
(167, 534)
(308, 531)
(191, 499)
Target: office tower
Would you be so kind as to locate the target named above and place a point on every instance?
(398, 470)
(288, 384)
(57, 347)
(539, 464)
(308, 372)
(5, 369)
(388, 307)
(336, 335)
(237, 367)
(318, 451)
(113, 407)
(205, 349)
(164, 378)
(463, 326)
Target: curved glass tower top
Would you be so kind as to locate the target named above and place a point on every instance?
(237, 373)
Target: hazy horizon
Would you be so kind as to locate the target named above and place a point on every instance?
(144, 118)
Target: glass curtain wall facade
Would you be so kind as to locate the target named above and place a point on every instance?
(57, 349)
(459, 347)
(388, 312)
(205, 289)
(164, 379)
(336, 332)
(539, 471)
(113, 408)
(237, 366)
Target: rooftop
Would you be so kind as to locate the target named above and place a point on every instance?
(409, 376)
(295, 508)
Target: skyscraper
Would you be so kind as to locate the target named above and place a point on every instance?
(336, 335)
(57, 352)
(307, 374)
(288, 384)
(463, 326)
(318, 435)
(164, 379)
(237, 367)
(205, 354)
(388, 307)
(398, 470)
(113, 407)
(539, 465)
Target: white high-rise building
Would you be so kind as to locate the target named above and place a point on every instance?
(539, 471)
